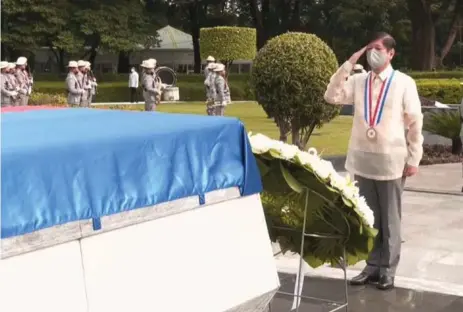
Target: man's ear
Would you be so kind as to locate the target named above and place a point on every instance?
(392, 53)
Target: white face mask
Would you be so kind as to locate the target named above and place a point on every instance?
(376, 59)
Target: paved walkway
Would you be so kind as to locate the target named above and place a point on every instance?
(432, 252)
(362, 299)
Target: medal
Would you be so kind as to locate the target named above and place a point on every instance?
(371, 134)
(373, 118)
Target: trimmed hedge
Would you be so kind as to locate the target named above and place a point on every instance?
(455, 74)
(451, 74)
(119, 91)
(228, 43)
(446, 91)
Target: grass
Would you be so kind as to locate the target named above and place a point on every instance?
(331, 139)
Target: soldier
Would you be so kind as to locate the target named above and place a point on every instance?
(83, 81)
(10, 74)
(23, 80)
(210, 59)
(150, 90)
(8, 93)
(222, 90)
(92, 81)
(209, 82)
(74, 88)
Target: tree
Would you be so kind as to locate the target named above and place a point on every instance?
(425, 16)
(112, 25)
(289, 76)
(228, 43)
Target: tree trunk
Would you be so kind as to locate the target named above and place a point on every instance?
(284, 128)
(92, 57)
(456, 21)
(423, 35)
(258, 21)
(194, 28)
(457, 146)
(123, 63)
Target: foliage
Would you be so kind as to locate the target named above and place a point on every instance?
(445, 123)
(439, 154)
(289, 76)
(449, 74)
(228, 43)
(113, 87)
(293, 179)
(38, 98)
(119, 92)
(447, 91)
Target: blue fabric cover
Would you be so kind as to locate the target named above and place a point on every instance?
(65, 165)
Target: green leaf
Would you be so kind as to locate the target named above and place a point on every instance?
(263, 168)
(313, 261)
(290, 180)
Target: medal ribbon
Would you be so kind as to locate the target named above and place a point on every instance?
(374, 118)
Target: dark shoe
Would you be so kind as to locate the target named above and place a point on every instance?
(385, 283)
(364, 278)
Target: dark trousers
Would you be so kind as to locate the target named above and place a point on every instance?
(133, 95)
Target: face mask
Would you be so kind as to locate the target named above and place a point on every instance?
(376, 59)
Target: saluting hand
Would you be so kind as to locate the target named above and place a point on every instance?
(355, 57)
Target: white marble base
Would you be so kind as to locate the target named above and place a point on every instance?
(212, 258)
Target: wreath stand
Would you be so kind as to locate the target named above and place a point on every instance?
(342, 264)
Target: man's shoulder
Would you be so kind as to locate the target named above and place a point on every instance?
(403, 76)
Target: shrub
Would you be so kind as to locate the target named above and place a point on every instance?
(445, 123)
(289, 76)
(228, 43)
(38, 98)
(439, 154)
(119, 91)
(446, 91)
(451, 74)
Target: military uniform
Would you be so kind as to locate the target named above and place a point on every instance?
(87, 87)
(8, 92)
(74, 89)
(211, 93)
(14, 83)
(23, 83)
(150, 91)
(222, 95)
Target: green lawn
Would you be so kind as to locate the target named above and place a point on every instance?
(331, 139)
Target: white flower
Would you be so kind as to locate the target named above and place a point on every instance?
(323, 168)
(289, 151)
(260, 143)
(337, 181)
(365, 211)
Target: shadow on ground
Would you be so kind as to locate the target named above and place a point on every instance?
(362, 299)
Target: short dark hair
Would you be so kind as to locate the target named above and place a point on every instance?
(387, 39)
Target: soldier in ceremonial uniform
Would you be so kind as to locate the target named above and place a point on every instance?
(222, 90)
(209, 82)
(210, 59)
(23, 80)
(73, 85)
(83, 81)
(10, 74)
(150, 90)
(8, 91)
(92, 81)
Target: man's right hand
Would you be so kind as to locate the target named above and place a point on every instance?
(355, 57)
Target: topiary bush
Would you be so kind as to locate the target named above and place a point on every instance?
(289, 76)
(228, 43)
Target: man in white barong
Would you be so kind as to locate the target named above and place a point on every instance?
(381, 152)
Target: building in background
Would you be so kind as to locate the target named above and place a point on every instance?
(175, 50)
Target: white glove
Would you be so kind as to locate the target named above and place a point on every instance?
(14, 93)
(82, 91)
